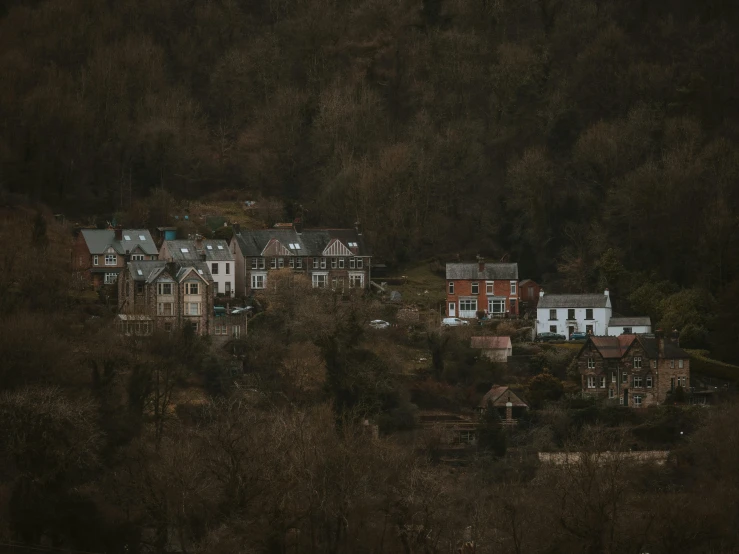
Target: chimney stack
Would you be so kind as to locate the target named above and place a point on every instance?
(660, 342)
(480, 264)
(198, 242)
(541, 293)
(236, 228)
(607, 293)
(358, 227)
(298, 225)
(676, 337)
(118, 234)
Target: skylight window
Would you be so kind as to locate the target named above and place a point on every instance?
(209, 247)
(184, 250)
(126, 237)
(200, 271)
(297, 246)
(142, 237)
(139, 272)
(353, 245)
(220, 247)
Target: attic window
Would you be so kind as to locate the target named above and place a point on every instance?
(220, 247)
(184, 250)
(126, 237)
(139, 272)
(353, 245)
(209, 247)
(200, 271)
(297, 246)
(142, 237)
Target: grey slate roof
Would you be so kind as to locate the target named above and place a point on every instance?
(491, 271)
(572, 301)
(209, 248)
(672, 350)
(312, 241)
(630, 321)
(148, 271)
(98, 240)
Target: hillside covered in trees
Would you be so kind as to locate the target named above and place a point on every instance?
(548, 130)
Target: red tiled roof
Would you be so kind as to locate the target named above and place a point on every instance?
(613, 347)
(491, 343)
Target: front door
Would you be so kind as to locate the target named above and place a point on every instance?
(452, 309)
(626, 397)
(570, 330)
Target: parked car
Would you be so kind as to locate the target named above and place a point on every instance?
(579, 336)
(453, 322)
(379, 324)
(550, 337)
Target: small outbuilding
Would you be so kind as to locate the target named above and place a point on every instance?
(509, 405)
(496, 349)
(629, 326)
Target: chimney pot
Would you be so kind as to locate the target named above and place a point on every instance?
(236, 228)
(298, 225)
(541, 293)
(607, 293)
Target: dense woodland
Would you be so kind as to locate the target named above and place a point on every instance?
(594, 142)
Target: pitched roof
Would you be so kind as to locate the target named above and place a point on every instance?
(528, 282)
(148, 271)
(98, 240)
(612, 347)
(573, 301)
(311, 242)
(672, 350)
(188, 250)
(629, 321)
(490, 272)
(491, 343)
(501, 393)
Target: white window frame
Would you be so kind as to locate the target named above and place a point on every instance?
(471, 304)
(110, 278)
(451, 287)
(490, 287)
(315, 263)
(637, 400)
(334, 263)
(614, 377)
(648, 381)
(341, 263)
(323, 263)
(299, 263)
(192, 288)
(591, 363)
(611, 393)
(273, 263)
(235, 331)
(351, 263)
(111, 259)
(254, 263)
(161, 308)
(281, 263)
(360, 263)
(624, 377)
(602, 381)
(513, 288)
(475, 288)
(95, 259)
(319, 280)
(192, 309)
(591, 381)
(638, 382)
(262, 263)
(637, 362)
(496, 302)
(353, 278)
(680, 364)
(258, 281)
(220, 329)
(672, 364)
(137, 257)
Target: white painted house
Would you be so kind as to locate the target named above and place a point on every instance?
(573, 313)
(215, 253)
(629, 326)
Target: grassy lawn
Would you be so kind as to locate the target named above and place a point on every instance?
(422, 286)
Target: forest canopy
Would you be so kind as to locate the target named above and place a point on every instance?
(557, 132)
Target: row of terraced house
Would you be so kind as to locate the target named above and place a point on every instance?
(167, 284)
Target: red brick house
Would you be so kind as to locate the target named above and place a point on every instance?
(480, 286)
(99, 255)
(633, 370)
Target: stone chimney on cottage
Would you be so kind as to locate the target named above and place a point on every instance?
(660, 336)
(298, 225)
(118, 233)
(606, 292)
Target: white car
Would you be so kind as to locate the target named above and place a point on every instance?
(453, 322)
(379, 324)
